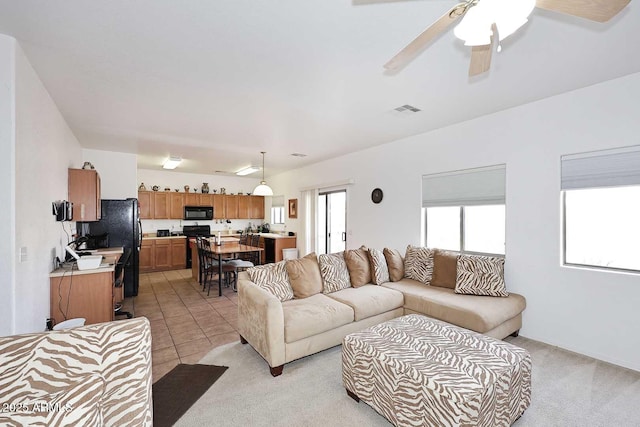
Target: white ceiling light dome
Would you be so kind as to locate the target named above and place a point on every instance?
(508, 15)
(263, 189)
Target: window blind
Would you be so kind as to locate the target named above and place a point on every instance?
(479, 186)
(605, 168)
(277, 202)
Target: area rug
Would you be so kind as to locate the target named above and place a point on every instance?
(567, 390)
(174, 393)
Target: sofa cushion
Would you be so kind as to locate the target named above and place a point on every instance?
(313, 315)
(369, 300)
(444, 269)
(480, 275)
(379, 269)
(358, 264)
(478, 313)
(395, 264)
(418, 264)
(304, 276)
(273, 278)
(335, 275)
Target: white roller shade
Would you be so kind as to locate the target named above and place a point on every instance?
(606, 168)
(480, 186)
(277, 202)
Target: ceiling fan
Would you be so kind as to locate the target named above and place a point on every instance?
(486, 22)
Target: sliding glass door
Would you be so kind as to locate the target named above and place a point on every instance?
(332, 221)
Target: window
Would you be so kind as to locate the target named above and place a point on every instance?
(277, 210)
(601, 209)
(464, 211)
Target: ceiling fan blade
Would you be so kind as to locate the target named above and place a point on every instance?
(415, 47)
(595, 10)
(481, 55)
(480, 59)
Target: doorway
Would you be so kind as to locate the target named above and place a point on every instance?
(332, 221)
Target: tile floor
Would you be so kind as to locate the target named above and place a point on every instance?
(185, 323)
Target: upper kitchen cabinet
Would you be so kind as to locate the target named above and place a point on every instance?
(256, 207)
(206, 200)
(231, 207)
(145, 202)
(192, 199)
(161, 206)
(177, 205)
(218, 206)
(84, 193)
(244, 207)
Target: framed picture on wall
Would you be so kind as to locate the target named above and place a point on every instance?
(293, 208)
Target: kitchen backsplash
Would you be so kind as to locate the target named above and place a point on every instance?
(175, 225)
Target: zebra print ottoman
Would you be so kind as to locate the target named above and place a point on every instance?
(418, 371)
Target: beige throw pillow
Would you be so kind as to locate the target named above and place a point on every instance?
(395, 264)
(480, 275)
(335, 275)
(304, 276)
(358, 265)
(444, 269)
(418, 264)
(379, 269)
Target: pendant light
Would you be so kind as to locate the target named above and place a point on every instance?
(263, 189)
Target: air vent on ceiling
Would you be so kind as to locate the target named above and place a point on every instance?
(298, 155)
(407, 109)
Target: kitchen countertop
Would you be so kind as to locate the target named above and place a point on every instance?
(108, 265)
(149, 237)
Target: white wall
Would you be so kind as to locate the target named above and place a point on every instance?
(45, 147)
(118, 172)
(177, 180)
(587, 311)
(7, 183)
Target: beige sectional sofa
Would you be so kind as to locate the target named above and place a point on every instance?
(283, 327)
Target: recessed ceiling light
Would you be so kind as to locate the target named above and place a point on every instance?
(248, 170)
(172, 162)
(298, 155)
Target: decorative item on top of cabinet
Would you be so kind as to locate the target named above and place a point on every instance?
(186, 188)
(155, 188)
(84, 193)
(142, 187)
(205, 188)
(87, 165)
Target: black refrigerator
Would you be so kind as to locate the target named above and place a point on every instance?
(121, 224)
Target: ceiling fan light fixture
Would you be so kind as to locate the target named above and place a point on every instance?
(508, 15)
(263, 189)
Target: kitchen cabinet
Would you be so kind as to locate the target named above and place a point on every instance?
(256, 207)
(244, 207)
(147, 255)
(176, 202)
(160, 254)
(192, 199)
(231, 206)
(145, 202)
(206, 200)
(273, 247)
(218, 206)
(84, 193)
(161, 205)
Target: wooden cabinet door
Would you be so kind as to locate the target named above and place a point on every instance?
(257, 207)
(162, 254)
(84, 193)
(177, 203)
(244, 207)
(231, 207)
(161, 206)
(206, 200)
(145, 202)
(192, 199)
(147, 256)
(218, 206)
(179, 253)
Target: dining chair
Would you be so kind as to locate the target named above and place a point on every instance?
(209, 268)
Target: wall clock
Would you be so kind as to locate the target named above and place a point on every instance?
(376, 195)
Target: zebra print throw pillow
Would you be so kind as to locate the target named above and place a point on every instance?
(480, 275)
(273, 278)
(418, 264)
(335, 275)
(379, 269)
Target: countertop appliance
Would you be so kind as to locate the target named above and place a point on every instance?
(198, 213)
(162, 233)
(194, 231)
(121, 221)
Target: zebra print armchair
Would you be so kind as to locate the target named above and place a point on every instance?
(96, 375)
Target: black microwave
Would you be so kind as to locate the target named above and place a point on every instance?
(198, 213)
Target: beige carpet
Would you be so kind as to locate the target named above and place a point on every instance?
(568, 390)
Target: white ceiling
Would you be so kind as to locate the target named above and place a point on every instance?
(218, 81)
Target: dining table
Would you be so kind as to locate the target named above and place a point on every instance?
(230, 248)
